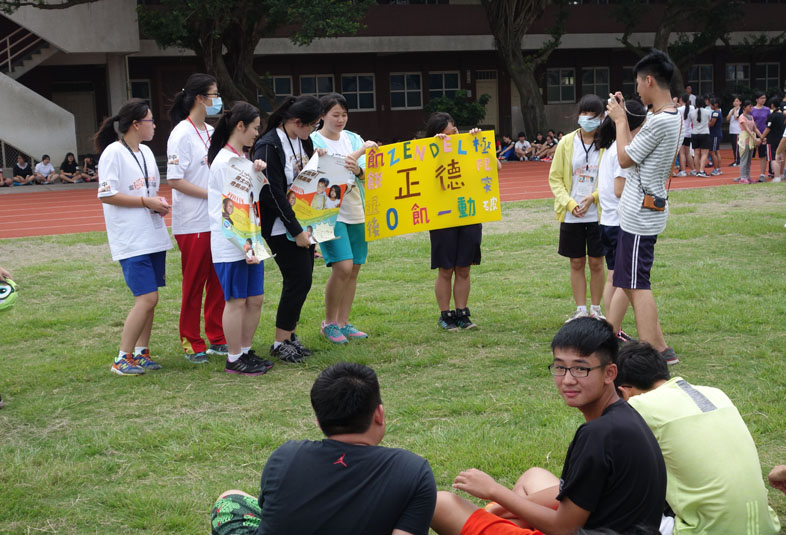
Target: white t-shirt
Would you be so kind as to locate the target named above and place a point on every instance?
(522, 145)
(290, 159)
(701, 125)
(221, 248)
(131, 231)
(585, 178)
(187, 160)
(45, 170)
(609, 170)
(351, 211)
(734, 124)
(686, 123)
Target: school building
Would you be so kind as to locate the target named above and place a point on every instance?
(63, 71)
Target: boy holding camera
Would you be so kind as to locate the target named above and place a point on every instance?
(643, 207)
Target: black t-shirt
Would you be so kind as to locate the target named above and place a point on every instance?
(23, 171)
(68, 167)
(614, 469)
(331, 487)
(775, 124)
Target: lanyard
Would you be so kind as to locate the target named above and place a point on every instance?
(299, 164)
(586, 149)
(207, 145)
(236, 152)
(147, 185)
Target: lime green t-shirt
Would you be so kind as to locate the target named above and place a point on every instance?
(714, 482)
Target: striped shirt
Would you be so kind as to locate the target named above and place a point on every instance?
(653, 150)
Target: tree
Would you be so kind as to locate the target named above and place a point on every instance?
(9, 6)
(464, 110)
(224, 34)
(509, 21)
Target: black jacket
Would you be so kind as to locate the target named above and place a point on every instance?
(274, 198)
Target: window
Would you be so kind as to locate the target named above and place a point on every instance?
(560, 85)
(738, 75)
(767, 75)
(595, 81)
(485, 75)
(628, 83)
(317, 85)
(282, 87)
(405, 90)
(443, 84)
(141, 89)
(358, 89)
(700, 80)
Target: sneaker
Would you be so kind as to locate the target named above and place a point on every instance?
(777, 179)
(246, 365)
(625, 338)
(197, 358)
(287, 352)
(127, 366)
(670, 356)
(716, 172)
(144, 361)
(218, 349)
(332, 332)
(744, 181)
(447, 320)
(253, 355)
(762, 178)
(597, 315)
(681, 173)
(306, 352)
(579, 313)
(701, 174)
(462, 319)
(735, 164)
(352, 333)
(693, 172)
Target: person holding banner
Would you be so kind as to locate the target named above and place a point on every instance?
(346, 254)
(286, 147)
(242, 276)
(188, 173)
(573, 179)
(135, 227)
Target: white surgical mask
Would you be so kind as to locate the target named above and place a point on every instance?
(216, 107)
(588, 124)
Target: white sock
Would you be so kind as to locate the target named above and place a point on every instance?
(595, 308)
(120, 355)
(276, 344)
(233, 358)
(245, 349)
(582, 308)
(138, 350)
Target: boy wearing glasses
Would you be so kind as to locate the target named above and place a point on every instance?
(613, 476)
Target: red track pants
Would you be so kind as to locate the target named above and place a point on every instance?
(198, 273)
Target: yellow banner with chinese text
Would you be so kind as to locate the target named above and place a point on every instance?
(431, 183)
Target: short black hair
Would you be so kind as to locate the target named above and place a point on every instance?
(592, 104)
(344, 398)
(44, 157)
(757, 94)
(438, 122)
(587, 336)
(640, 365)
(658, 65)
(775, 102)
(521, 134)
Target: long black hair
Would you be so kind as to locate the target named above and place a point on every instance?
(607, 131)
(305, 108)
(197, 84)
(134, 110)
(686, 99)
(65, 160)
(438, 122)
(240, 112)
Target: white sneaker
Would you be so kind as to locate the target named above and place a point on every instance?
(777, 179)
(579, 313)
(681, 173)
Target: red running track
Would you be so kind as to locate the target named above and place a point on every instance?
(64, 211)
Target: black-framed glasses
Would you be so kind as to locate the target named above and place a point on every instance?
(576, 371)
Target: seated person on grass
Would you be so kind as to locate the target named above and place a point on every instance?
(714, 482)
(344, 484)
(613, 476)
(507, 150)
(44, 171)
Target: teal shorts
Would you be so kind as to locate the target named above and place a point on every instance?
(235, 514)
(351, 244)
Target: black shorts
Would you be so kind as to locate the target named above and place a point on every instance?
(635, 255)
(686, 142)
(701, 141)
(764, 151)
(456, 246)
(608, 237)
(770, 152)
(577, 240)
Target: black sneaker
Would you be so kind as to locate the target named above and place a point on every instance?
(246, 365)
(447, 320)
(266, 363)
(306, 352)
(287, 352)
(625, 338)
(462, 319)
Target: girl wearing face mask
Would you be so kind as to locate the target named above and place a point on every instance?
(573, 179)
(188, 173)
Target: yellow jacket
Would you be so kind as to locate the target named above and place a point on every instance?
(561, 177)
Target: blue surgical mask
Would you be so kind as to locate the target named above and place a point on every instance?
(588, 124)
(216, 107)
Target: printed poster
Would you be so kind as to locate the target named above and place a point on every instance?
(431, 183)
(316, 195)
(241, 223)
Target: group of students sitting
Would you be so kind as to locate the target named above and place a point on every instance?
(24, 174)
(540, 149)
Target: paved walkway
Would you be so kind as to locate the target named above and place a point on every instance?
(71, 208)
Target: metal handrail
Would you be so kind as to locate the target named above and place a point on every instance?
(8, 57)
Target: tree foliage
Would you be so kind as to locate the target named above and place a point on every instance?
(9, 6)
(464, 110)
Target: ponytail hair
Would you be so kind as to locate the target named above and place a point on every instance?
(686, 99)
(240, 112)
(197, 84)
(134, 110)
(305, 108)
(606, 134)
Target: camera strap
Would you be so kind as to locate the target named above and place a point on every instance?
(673, 161)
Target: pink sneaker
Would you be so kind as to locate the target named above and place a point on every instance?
(744, 181)
(332, 332)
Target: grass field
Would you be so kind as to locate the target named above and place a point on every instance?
(86, 451)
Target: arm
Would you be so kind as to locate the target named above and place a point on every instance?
(619, 185)
(184, 186)
(556, 172)
(156, 204)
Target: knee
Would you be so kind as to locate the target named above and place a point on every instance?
(462, 273)
(148, 301)
(578, 263)
(596, 264)
(343, 270)
(255, 302)
(445, 273)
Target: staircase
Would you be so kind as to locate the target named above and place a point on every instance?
(20, 49)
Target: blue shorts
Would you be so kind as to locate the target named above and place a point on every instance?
(608, 237)
(145, 273)
(635, 255)
(240, 280)
(351, 244)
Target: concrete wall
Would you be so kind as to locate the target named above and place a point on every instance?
(101, 26)
(34, 124)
